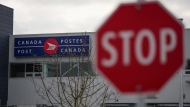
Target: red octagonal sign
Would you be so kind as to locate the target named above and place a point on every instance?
(140, 44)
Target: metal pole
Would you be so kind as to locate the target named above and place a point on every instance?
(181, 88)
(181, 81)
(140, 100)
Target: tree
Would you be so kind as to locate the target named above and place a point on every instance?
(75, 85)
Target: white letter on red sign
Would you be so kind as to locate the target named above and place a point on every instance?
(110, 48)
(138, 47)
(164, 47)
(126, 35)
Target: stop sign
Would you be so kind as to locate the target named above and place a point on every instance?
(140, 44)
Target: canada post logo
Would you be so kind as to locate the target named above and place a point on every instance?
(51, 46)
(43, 46)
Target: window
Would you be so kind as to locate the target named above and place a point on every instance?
(29, 67)
(37, 75)
(29, 75)
(85, 69)
(25, 69)
(66, 69)
(69, 69)
(17, 69)
(76, 69)
(29, 70)
(187, 68)
(188, 64)
(53, 69)
(187, 71)
(37, 67)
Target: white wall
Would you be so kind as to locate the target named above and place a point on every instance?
(21, 91)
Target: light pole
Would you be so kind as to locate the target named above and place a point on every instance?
(181, 80)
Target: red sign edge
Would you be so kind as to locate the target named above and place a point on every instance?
(169, 79)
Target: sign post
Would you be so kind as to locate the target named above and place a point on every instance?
(139, 47)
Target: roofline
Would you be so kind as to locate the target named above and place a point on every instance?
(50, 34)
(6, 6)
(40, 34)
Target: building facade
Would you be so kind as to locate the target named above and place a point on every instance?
(27, 51)
(6, 29)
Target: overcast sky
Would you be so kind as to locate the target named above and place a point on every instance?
(64, 16)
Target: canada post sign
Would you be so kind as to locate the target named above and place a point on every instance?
(43, 46)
